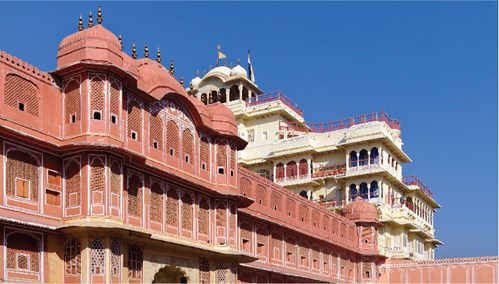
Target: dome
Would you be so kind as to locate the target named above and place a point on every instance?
(195, 82)
(223, 118)
(156, 80)
(238, 71)
(361, 211)
(220, 70)
(95, 44)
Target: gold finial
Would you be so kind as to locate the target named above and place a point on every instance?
(181, 80)
(134, 50)
(172, 68)
(158, 55)
(230, 66)
(99, 16)
(121, 42)
(209, 67)
(90, 21)
(238, 61)
(146, 51)
(225, 63)
(80, 24)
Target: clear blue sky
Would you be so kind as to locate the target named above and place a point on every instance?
(433, 65)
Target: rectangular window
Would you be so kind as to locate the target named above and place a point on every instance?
(54, 178)
(290, 257)
(245, 245)
(251, 135)
(114, 118)
(264, 136)
(22, 188)
(259, 248)
(52, 197)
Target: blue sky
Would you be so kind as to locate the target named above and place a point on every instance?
(432, 65)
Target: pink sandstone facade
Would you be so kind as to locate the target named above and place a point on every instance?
(110, 172)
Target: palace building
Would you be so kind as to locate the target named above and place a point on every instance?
(111, 171)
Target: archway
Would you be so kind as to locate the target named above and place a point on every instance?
(170, 274)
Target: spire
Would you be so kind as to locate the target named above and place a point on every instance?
(230, 66)
(172, 68)
(146, 51)
(158, 55)
(80, 24)
(121, 42)
(225, 62)
(134, 50)
(90, 21)
(181, 80)
(238, 61)
(99, 16)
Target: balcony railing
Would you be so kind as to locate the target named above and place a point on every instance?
(275, 96)
(364, 164)
(329, 171)
(340, 124)
(413, 180)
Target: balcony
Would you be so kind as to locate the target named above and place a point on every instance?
(340, 124)
(329, 171)
(413, 180)
(364, 164)
(272, 97)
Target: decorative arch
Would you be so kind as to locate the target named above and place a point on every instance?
(97, 180)
(374, 190)
(353, 159)
(374, 155)
(279, 171)
(363, 157)
(23, 251)
(21, 91)
(172, 138)
(22, 174)
(156, 202)
(188, 146)
(134, 120)
(135, 185)
(72, 257)
(303, 171)
(353, 191)
(291, 170)
(363, 190)
(97, 258)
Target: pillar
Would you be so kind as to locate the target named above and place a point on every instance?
(347, 194)
(369, 159)
(240, 92)
(347, 156)
(358, 162)
(368, 192)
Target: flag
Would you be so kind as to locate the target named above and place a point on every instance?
(221, 55)
(250, 69)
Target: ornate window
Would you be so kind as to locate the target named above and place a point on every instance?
(172, 208)
(303, 213)
(279, 171)
(72, 257)
(134, 121)
(97, 97)
(135, 196)
(187, 211)
(221, 220)
(172, 138)
(290, 207)
(155, 132)
(156, 208)
(246, 233)
(221, 273)
(23, 252)
(97, 258)
(72, 101)
(73, 184)
(135, 262)
(291, 169)
(303, 167)
(276, 201)
(21, 94)
(188, 146)
(22, 175)
(115, 180)
(204, 271)
(115, 258)
(221, 157)
(97, 181)
(261, 195)
(115, 105)
(246, 187)
(203, 217)
(205, 154)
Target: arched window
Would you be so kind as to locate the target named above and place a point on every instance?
(97, 97)
(204, 154)
(22, 175)
(279, 171)
(203, 217)
(21, 94)
(353, 191)
(245, 94)
(374, 156)
(303, 167)
(97, 181)
(363, 156)
(213, 97)
(72, 101)
(115, 258)
(156, 132)
(204, 271)
(374, 190)
(134, 121)
(204, 98)
(188, 146)
(172, 208)
(186, 211)
(223, 96)
(135, 196)
(353, 159)
(97, 258)
(363, 190)
(72, 257)
(156, 203)
(172, 138)
(234, 93)
(135, 262)
(291, 170)
(303, 193)
(23, 252)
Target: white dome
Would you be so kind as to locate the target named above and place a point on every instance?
(238, 70)
(220, 69)
(195, 82)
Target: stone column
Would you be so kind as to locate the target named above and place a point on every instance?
(347, 156)
(369, 159)
(358, 162)
(368, 192)
(240, 92)
(347, 194)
